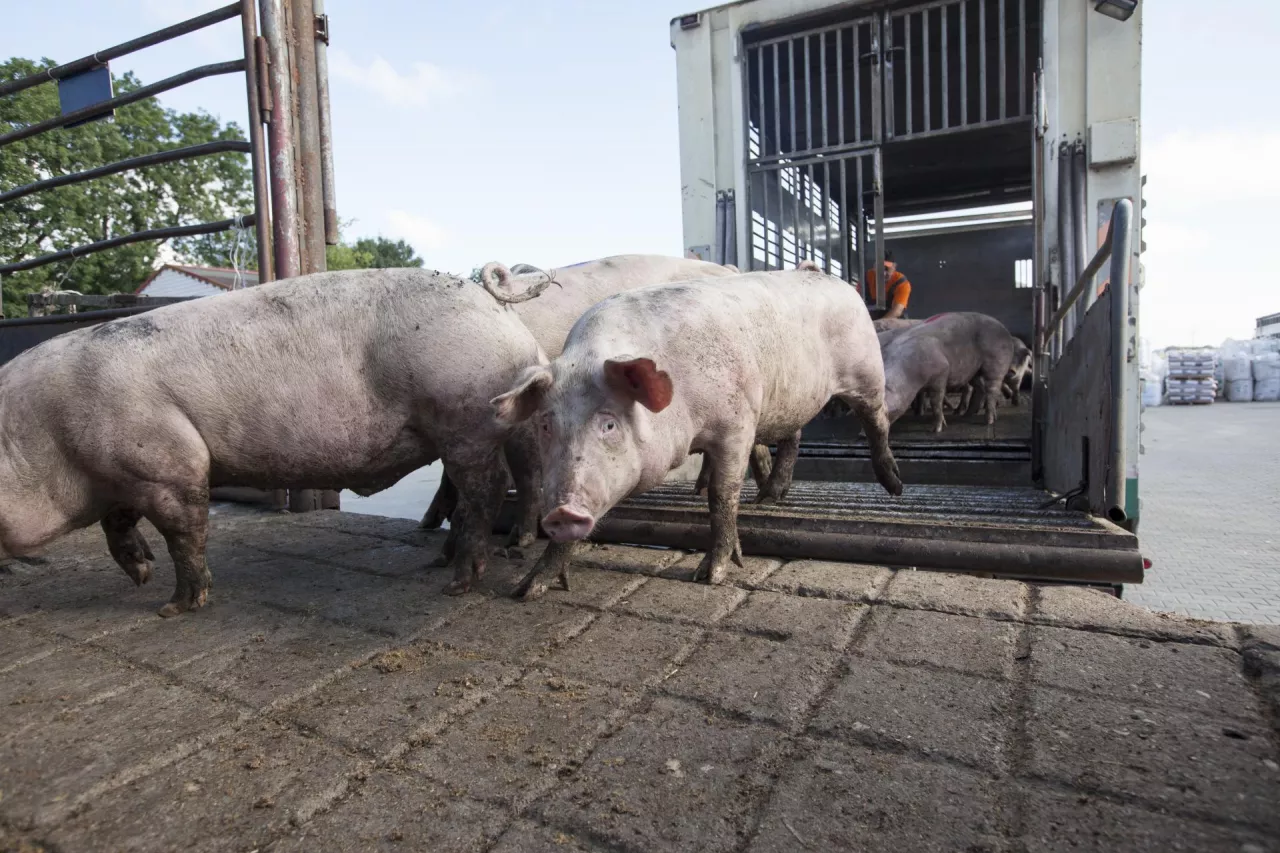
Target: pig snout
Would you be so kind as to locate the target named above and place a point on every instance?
(566, 523)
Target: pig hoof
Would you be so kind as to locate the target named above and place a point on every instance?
(139, 573)
(182, 605)
(709, 571)
(532, 592)
(457, 587)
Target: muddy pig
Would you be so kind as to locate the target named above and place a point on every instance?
(549, 303)
(716, 365)
(326, 381)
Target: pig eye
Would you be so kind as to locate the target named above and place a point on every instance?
(608, 425)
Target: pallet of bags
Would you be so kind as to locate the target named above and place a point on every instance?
(1237, 371)
(1266, 377)
(1191, 376)
(1199, 391)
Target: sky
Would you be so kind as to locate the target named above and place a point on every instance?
(546, 132)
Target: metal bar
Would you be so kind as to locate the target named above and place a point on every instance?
(881, 125)
(860, 224)
(777, 109)
(125, 240)
(840, 134)
(1004, 62)
(826, 216)
(284, 201)
(791, 93)
(1022, 56)
(964, 64)
(822, 64)
(851, 273)
(1066, 262)
(1084, 279)
(124, 100)
(717, 247)
(1080, 214)
(81, 316)
(1119, 235)
(995, 122)
(326, 126)
(157, 158)
(982, 59)
(906, 38)
(811, 191)
(946, 68)
(257, 148)
(302, 46)
(103, 56)
(760, 125)
(928, 81)
(938, 552)
(808, 97)
(856, 60)
(877, 178)
(888, 115)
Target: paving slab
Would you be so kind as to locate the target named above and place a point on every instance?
(330, 697)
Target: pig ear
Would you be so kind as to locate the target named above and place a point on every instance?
(641, 380)
(523, 400)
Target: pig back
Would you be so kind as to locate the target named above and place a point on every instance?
(552, 314)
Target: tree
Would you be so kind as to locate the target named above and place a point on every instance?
(387, 254)
(204, 189)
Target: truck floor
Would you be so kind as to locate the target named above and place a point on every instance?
(329, 697)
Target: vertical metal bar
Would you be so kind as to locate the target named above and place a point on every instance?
(777, 108)
(812, 191)
(808, 98)
(840, 134)
(822, 64)
(1004, 62)
(1080, 219)
(257, 149)
(717, 247)
(928, 81)
(284, 201)
(1121, 217)
(856, 59)
(760, 116)
(1022, 56)
(982, 60)
(882, 284)
(826, 214)
(311, 191)
(881, 122)
(944, 14)
(964, 65)
(326, 126)
(1066, 250)
(792, 91)
(909, 99)
(846, 210)
(860, 224)
(889, 114)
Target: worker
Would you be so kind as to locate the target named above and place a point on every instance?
(898, 295)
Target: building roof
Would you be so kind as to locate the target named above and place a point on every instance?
(220, 277)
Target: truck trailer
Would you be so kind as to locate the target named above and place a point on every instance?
(993, 147)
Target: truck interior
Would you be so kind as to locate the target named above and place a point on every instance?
(908, 129)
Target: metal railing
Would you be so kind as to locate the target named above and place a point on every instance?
(245, 11)
(1116, 250)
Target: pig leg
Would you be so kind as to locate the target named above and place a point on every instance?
(181, 514)
(938, 390)
(875, 423)
(126, 544)
(526, 469)
(761, 465)
(442, 505)
(976, 394)
(481, 480)
(723, 494)
(992, 398)
(556, 558)
(783, 467)
(704, 477)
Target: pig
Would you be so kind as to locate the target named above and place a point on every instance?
(1012, 385)
(888, 324)
(715, 365)
(327, 381)
(947, 351)
(549, 303)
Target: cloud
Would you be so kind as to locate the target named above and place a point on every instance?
(421, 233)
(426, 84)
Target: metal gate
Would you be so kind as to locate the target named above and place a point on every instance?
(822, 104)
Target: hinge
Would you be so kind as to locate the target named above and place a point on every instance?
(322, 28)
(264, 85)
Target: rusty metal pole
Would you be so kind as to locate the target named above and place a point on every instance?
(258, 153)
(311, 176)
(326, 125)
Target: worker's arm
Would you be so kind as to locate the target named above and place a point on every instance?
(901, 296)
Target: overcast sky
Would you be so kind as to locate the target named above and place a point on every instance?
(546, 131)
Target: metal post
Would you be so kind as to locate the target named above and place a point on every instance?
(1121, 219)
(326, 125)
(311, 187)
(1066, 250)
(257, 151)
(877, 188)
(1080, 219)
(284, 200)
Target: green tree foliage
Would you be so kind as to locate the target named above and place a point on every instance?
(190, 191)
(371, 253)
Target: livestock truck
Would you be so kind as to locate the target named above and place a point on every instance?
(993, 147)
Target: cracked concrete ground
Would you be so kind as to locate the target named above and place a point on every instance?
(331, 698)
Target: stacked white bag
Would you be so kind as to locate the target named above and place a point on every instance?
(1237, 370)
(1191, 376)
(1266, 370)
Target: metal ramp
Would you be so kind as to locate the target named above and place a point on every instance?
(939, 462)
(989, 530)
